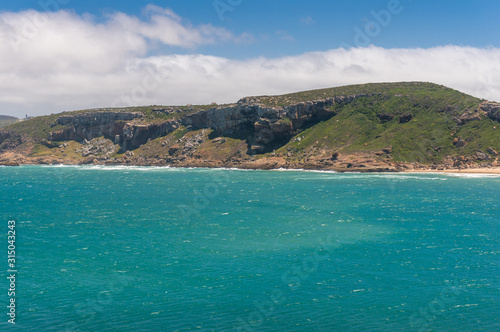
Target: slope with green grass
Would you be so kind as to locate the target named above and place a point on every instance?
(407, 122)
(6, 120)
(417, 120)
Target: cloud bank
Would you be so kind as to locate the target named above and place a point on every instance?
(51, 62)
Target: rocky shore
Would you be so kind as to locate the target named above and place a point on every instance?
(340, 163)
(390, 127)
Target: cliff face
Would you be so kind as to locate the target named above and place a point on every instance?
(90, 125)
(230, 119)
(266, 126)
(372, 126)
(492, 110)
(134, 135)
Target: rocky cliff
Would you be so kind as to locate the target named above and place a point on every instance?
(492, 110)
(265, 127)
(363, 127)
(90, 125)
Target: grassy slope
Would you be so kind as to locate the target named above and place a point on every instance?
(7, 117)
(38, 128)
(426, 138)
(416, 89)
(357, 127)
(6, 120)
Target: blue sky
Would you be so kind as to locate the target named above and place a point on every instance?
(293, 27)
(221, 50)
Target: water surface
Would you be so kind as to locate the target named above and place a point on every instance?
(150, 249)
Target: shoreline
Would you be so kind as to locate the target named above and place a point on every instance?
(485, 171)
(495, 170)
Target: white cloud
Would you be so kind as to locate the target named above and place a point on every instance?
(167, 27)
(72, 62)
(307, 20)
(284, 35)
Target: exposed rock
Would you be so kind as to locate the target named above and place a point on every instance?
(188, 144)
(134, 135)
(257, 148)
(492, 151)
(112, 125)
(470, 115)
(87, 161)
(98, 146)
(8, 163)
(404, 118)
(482, 156)
(459, 143)
(492, 110)
(263, 133)
(386, 117)
(97, 119)
(258, 125)
(269, 124)
(50, 145)
(91, 125)
(219, 140)
(387, 150)
(173, 149)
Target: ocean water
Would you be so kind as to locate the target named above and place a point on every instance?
(166, 249)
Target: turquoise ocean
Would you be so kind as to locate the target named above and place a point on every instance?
(168, 249)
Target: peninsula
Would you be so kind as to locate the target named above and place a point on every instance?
(407, 126)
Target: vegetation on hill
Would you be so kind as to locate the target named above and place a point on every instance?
(6, 120)
(389, 122)
(374, 122)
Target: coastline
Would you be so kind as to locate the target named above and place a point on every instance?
(346, 165)
(493, 170)
(485, 171)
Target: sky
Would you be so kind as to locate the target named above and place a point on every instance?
(61, 55)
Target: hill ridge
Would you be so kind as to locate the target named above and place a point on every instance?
(375, 126)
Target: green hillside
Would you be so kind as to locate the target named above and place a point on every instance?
(389, 122)
(374, 122)
(6, 120)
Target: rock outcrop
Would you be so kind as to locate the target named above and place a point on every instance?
(486, 109)
(134, 135)
(481, 155)
(492, 110)
(92, 124)
(266, 126)
(120, 127)
(459, 142)
(379, 127)
(98, 147)
(492, 151)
